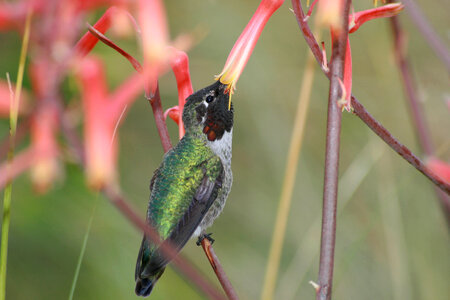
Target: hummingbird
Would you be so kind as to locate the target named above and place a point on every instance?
(189, 189)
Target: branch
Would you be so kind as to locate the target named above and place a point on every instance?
(122, 205)
(417, 116)
(428, 33)
(167, 249)
(105, 40)
(402, 150)
(408, 84)
(181, 71)
(330, 188)
(218, 269)
(158, 114)
(362, 113)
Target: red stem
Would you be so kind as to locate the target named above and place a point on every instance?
(428, 33)
(180, 67)
(362, 113)
(161, 125)
(417, 116)
(330, 188)
(169, 251)
(105, 40)
(122, 205)
(88, 41)
(218, 269)
(398, 147)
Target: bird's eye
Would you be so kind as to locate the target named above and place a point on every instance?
(209, 99)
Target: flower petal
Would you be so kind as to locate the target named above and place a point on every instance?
(243, 47)
(180, 67)
(441, 168)
(173, 113)
(361, 17)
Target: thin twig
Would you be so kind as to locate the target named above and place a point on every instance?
(398, 147)
(284, 204)
(330, 188)
(122, 205)
(155, 103)
(218, 269)
(418, 119)
(428, 33)
(101, 37)
(161, 125)
(167, 249)
(362, 113)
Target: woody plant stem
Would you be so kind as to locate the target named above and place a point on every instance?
(363, 114)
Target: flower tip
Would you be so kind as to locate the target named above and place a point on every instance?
(440, 168)
(385, 11)
(44, 173)
(173, 113)
(329, 14)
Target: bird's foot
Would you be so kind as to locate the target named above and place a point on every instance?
(205, 236)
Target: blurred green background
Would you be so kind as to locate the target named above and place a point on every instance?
(392, 239)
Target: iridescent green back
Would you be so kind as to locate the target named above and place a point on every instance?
(177, 180)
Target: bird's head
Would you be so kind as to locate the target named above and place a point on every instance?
(208, 112)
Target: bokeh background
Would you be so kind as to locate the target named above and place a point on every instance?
(392, 239)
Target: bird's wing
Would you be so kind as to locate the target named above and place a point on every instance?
(205, 194)
(144, 239)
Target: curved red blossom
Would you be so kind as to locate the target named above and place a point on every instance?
(173, 113)
(329, 14)
(180, 66)
(243, 48)
(102, 112)
(5, 102)
(45, 170)
(441, 168)
(88, 41)
(361, 17)
(355, 21)
(155, 39)
(13, 15)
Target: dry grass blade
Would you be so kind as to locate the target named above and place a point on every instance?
(306, 253)
(284, 205)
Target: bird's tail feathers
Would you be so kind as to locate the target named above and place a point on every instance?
(144, 286)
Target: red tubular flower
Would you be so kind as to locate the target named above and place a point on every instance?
(329, 14)
(102, 113)
(43, 130)
(361, 17)
(46, 167)
(173, 113)
(355, 21)
(243, 48)
(12, 15)
(308, 14)
(442, 169)
(347, 84)
(88, 41)
(155, 38)
(5, 102)
(98, 130)
(180, 66)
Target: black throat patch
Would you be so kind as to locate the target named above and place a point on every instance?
(218, 118)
